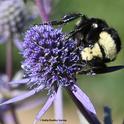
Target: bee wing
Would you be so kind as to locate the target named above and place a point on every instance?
(109, 69)
(101, 70)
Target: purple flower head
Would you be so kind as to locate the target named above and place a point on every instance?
(14, 15)
(12, 18)
(51, 62)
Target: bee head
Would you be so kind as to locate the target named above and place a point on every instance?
(97, 23)
(94, 28)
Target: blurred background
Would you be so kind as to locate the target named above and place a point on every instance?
(105, 89)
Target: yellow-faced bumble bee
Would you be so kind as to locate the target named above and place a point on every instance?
(100, 43)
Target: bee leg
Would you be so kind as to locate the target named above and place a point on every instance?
(72, 33)
(91, 72)
(71, 17)
(65, 19)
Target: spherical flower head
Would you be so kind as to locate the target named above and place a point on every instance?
(12, 17)
(49, 58)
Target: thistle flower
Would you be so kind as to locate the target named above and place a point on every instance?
(51, 62)
(14, 16)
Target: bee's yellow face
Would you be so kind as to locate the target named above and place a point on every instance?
(89, 53)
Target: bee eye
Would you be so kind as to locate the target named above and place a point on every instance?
(90, 46)
(94, 25)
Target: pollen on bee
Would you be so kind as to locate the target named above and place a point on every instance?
(85, 54)
(89, 53)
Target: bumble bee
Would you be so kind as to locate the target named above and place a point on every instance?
(100, 42)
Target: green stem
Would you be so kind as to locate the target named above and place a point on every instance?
(9, 72)
(9, 60)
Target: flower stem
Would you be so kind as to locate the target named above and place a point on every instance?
(107, 115)
(58, 106)
(9, 60)
(91, 118)
(9, 68)
(1, 120)
(14, 114)
(43, 14)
